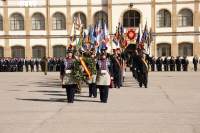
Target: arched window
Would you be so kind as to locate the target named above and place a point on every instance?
(1, 52)
(163, 49)
(82, 17)
(131, 18)
(16, 22)
(185, 18)
(163, 18)
(59, 22)
(59, 51)
(38, 51)
(38, 22)
(101, 17)
(185, 49)
(18, 52)
(1, 23)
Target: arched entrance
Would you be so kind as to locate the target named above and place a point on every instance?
(185, 49)
(38, 51)
(1, 52)
(163, 49)
(59, 51)
(18, 52)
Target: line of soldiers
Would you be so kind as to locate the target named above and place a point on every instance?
(33, 65)
(139, 67)
(109, 68)
(171, 63)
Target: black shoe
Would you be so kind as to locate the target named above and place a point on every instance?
(140, 84)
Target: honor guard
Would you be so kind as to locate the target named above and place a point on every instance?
(92, 81)
(117, 69)
(142, 70)
(103, 76)
(68, 81)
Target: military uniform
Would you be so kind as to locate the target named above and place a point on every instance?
(152, 63)
(142, 72)
(103, 77)
(68, 81)
(117, 68)
(166, 64)
(172, 64)
(185, 63)
(195, 63)
(178, 64)
(92, 81)
(159, 64)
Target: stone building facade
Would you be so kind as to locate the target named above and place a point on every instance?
(34, 28)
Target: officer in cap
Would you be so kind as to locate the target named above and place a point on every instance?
(92, 81)
(68, 81)
(103, 75)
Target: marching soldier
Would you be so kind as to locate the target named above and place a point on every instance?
(103, 76)
(43, 64)
(195, 62)
(117, 68)
(142, 70)
(67, 80)
(92, 81)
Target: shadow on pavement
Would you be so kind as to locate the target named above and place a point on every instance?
(56, 100)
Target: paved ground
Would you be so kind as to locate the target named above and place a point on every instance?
(34, 103)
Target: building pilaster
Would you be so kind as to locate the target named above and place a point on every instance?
(174, 45)
(7, 48)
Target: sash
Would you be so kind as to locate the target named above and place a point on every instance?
(145, 63)
(118, 63)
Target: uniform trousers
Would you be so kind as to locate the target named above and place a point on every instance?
(104, 90)
(70, 91)
(92, 90)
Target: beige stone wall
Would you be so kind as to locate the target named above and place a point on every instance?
(147, 8)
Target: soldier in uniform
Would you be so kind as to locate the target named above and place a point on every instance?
(37, 62)
(166, 64)
(32, 63)
(172, 64)
(92, 81)
(185, 63)
(117, 68)
(195, 62)
(67, 80)
(178, 63)
(142, 70)
(26, 64)
(152, 63)
(103, 76)
(159, 62)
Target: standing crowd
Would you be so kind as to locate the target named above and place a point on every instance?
(172, 64)
(29, 65)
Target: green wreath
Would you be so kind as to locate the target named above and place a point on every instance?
(77, 71)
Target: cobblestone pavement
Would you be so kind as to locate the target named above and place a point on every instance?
(34, 103)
